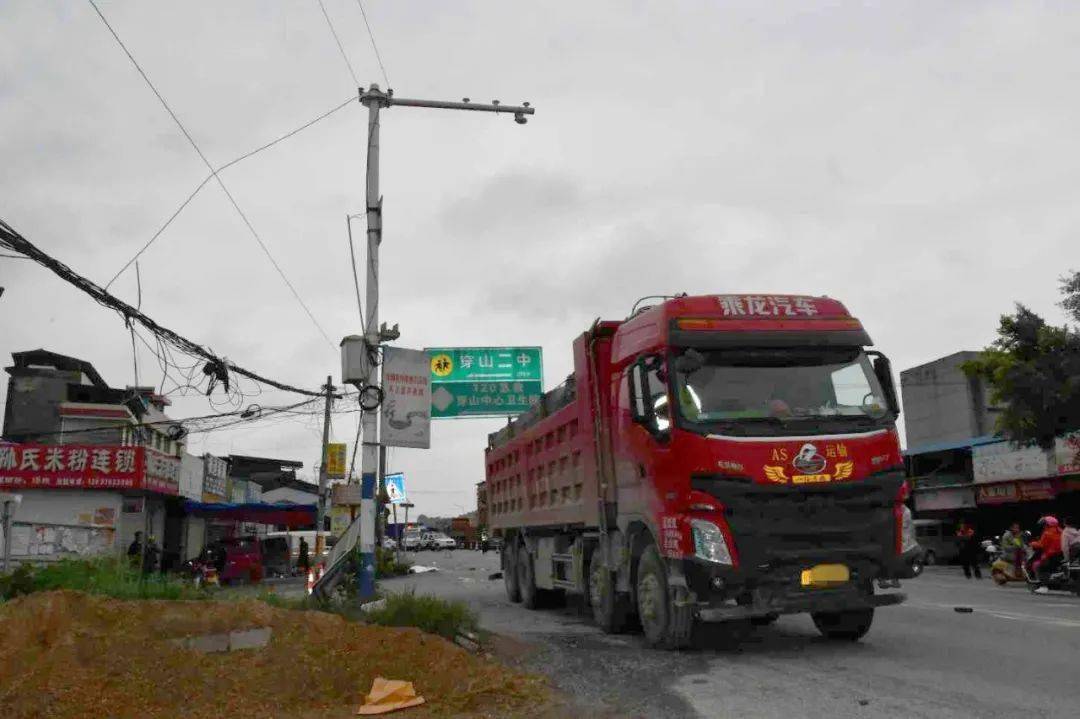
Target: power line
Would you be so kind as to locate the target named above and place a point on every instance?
(351, 99)
(341, 47)
(252, 413)
(356, 279)
(12, 240)
(209, 177)
(214, 173)
(374, 47)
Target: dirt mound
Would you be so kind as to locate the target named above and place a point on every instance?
(67, 654)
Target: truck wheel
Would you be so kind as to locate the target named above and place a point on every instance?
(510, 576)
(608, 607)
(530, 596)
(851, 625)
(666, 625)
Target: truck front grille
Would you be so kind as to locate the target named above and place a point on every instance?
(779, 525)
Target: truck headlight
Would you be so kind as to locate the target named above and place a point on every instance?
(907, 532)
(709, 542)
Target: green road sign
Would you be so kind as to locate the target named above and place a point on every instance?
(479, 381)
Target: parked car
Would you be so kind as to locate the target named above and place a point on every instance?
(439, 541)
(389, 543)
(413, 542)
(293, 539)
(939, 544)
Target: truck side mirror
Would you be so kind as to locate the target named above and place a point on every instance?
(883, 371)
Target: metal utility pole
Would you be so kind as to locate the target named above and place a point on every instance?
(320, 521)
(375, 100)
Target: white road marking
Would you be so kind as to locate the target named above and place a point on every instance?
(1001, 613)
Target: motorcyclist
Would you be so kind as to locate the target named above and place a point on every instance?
(1048, 545)
(1012, 546)
(1070, 540)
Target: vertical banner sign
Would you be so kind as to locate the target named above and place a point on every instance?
(335, 460)
(406, 407)
(485, 381)
(395, 488)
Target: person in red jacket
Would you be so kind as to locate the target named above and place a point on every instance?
(1048, 544)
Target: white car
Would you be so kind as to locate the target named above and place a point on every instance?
(413, 542)
(438, 541)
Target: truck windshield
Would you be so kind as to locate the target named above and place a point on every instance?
(779, 386)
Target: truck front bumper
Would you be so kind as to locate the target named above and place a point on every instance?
(722, 593)
(817, 600)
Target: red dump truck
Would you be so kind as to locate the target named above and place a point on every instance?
(711, 458)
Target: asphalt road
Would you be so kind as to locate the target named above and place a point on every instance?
(1016, 654)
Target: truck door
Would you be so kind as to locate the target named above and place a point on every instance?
(643, 434)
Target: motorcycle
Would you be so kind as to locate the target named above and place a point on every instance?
(1063, 577)
(1004, 570)
(201, 573)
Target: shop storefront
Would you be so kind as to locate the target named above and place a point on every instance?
(80, 500)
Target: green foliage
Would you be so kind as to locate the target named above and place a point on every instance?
(276, 600)
(387, 564)
(431, 614)
(110, 576)
(1033, 370)
(20, 581)
(1070, 288)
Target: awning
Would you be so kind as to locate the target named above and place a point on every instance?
(956, 444)
(287, 513)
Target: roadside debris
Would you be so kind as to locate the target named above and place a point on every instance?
(963, 610)
(389, 695)
(373, 606)
(420, 569)
(226, 641)
(496, 575)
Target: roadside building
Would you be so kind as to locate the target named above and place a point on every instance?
(94, 464)
(961, 469)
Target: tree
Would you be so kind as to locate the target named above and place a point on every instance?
(1070, 287)
(1033, 370)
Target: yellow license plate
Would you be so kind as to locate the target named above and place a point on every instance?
(825, 575)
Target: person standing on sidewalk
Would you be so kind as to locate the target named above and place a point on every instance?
(969, 550)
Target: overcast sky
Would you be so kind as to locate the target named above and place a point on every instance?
(919, 161)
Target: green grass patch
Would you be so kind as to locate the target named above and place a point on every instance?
(431, 614)
(109, 576)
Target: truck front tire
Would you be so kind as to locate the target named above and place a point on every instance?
(850, 625)
(608, 607)
(667, 625)
(510, 576)
(526, 578)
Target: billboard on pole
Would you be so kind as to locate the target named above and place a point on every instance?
(406, 407)
(485, 381)
(395, 487)
(335, 460)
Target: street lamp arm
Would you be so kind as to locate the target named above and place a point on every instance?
(524, 109)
